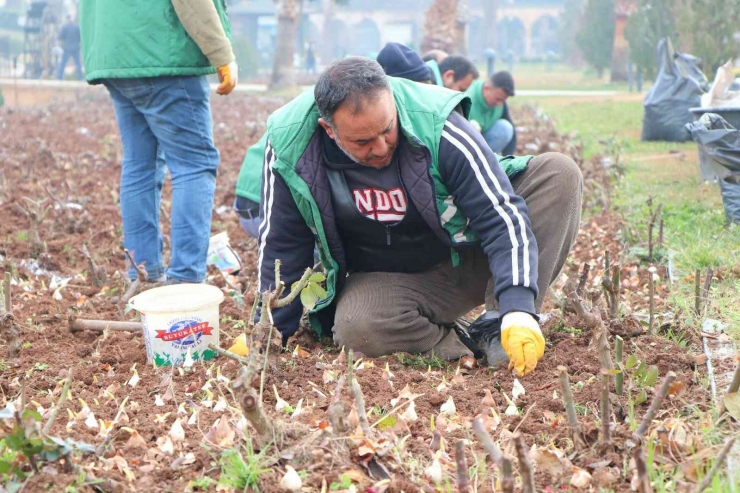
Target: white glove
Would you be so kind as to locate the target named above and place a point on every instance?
(475, 125)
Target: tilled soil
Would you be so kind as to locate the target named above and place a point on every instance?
(72, 149)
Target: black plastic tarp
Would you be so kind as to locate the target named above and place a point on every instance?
(720, 142)
(678, 87)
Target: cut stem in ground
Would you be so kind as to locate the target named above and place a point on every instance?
(619, 377)
(525, 465)
(660, 396)
(502, 462)
(570, 409)
(606, 409)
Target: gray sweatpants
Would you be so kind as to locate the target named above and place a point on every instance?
(381, 313)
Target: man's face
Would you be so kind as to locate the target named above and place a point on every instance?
(494, 96)
(370, 136)
(461, 85)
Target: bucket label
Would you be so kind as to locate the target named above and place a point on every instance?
(185, 333)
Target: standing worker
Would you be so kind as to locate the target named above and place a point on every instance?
(153, 57)
(69, 36)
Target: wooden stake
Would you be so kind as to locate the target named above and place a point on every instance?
(619, 377)
(570, 408)
(660, 234)
(463, 477)
(716, 467)
(525, 465)
(660, 396)
(78, 324)
(606, 411)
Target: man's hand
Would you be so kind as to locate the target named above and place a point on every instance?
(475, 125)
(227, 75)
(522, 340)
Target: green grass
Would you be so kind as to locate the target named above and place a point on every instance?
(535, 76)
(696, 231)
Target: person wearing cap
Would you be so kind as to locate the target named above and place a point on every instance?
(398, 60)
(490, 112)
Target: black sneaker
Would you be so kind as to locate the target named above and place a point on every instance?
(485, 332)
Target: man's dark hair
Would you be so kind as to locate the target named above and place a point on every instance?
(503, 80)
(351, 80)
(460, 65)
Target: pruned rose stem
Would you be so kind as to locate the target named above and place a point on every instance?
(697, 292)
(570, 408)
(479, 428)
(251, 406)
(610, 285)
(643, 478)
(8, 301)
(98, 273)
(583, 279)
(357, 393)
(298, 287)
(660, 396)
(606, 410)
(336, 411)
(8, 328)
(502, 462)
(734, 387)
(525, 465)
(62, 398)
(718, 462)
(79, 324)
(651, 308)
(619, 377)
(141, 277)
(707, 284)
(463, 478)
(227, 354)
(660, 234)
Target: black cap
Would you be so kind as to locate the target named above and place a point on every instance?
(401, 61)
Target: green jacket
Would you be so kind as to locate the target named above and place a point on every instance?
(140, 38)
(479, 109)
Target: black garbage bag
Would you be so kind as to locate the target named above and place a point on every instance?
(678, 87)
(720, 142)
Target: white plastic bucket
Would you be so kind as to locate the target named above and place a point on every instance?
(178, 319)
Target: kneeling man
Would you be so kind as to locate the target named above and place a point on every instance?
(414, 219)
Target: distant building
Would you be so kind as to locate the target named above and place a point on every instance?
(529, 28)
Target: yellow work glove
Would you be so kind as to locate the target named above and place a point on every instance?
(522, 340)
(227, 75)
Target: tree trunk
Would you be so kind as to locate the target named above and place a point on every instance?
(441, 29)
(288, 13)
(490, 18)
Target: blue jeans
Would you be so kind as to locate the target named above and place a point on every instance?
(74, 55)
(499, 136)
(165, 123)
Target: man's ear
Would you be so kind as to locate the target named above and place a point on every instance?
(448, 77)
(327, 128)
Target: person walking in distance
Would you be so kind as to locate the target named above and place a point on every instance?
(69, 36)
(153, 56)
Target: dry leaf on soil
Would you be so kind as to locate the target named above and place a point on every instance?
(221, 433)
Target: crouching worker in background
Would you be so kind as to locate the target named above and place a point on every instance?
(414, 219)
